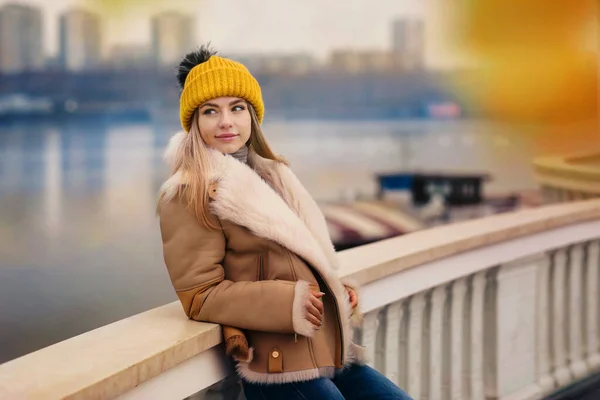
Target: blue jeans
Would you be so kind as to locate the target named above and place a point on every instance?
(358, 382)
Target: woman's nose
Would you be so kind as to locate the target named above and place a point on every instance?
(225, 120)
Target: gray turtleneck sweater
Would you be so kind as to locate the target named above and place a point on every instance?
(241, 155)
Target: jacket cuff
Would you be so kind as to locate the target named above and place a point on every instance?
(301, 325)
(355, 313)
(349, 283)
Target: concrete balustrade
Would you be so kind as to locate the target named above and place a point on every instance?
(504, 307)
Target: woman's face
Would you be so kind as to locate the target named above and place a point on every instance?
(225, 123)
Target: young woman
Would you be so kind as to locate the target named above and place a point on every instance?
(247, 247)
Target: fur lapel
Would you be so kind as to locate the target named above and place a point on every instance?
(245, 199)
(297, 197)
(280, 210)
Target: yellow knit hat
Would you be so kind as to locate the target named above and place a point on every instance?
(218, 77)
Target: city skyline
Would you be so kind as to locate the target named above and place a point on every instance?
(265, 26)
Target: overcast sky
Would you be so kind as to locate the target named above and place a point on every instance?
(236, 26)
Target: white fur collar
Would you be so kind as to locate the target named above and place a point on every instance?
(282, 211)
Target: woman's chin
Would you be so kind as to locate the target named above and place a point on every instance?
(228, 148)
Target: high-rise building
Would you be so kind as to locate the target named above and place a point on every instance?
(80, 40)
(408, 43)
(172, 37)
(21, 47)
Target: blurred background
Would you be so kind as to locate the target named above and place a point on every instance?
(383, 107)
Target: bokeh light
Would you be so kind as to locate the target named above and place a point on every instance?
(536, 58)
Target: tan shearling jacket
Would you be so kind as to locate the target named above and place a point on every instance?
(255, 271)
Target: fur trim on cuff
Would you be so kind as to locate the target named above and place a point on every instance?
(248, 359)
(351, 283)
(301, 325)
(355, 316)
(237, 347)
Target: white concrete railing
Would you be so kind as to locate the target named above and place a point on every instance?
(502, 308)
(514, 330)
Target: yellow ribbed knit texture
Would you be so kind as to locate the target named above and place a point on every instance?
(218, 77)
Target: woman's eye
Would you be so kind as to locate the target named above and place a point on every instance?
(238, 108)
(209, 111)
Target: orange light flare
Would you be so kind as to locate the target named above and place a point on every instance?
(536, 60)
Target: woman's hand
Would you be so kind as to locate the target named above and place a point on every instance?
(314, 308)
(352, 296)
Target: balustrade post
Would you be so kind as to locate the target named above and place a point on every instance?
(516, 324)
(562, 374)
(415, 346)
(592, 305)
(576, 328)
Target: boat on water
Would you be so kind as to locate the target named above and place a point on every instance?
(408, 201)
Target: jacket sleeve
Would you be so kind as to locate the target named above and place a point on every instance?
(193, 256)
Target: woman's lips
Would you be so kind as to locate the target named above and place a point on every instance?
(227, 137)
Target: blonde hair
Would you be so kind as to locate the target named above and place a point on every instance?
(192, 160)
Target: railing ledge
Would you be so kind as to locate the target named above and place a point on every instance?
(375, 261)
(110, 360)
